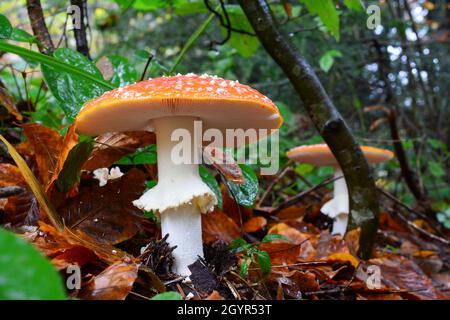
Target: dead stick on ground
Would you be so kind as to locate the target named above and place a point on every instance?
(295, 199)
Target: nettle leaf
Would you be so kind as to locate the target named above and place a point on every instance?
(170, 295)
(355, 5)
(146, 155)
(326, 10)
(246, 193)
(245, 45)
(5, 27)
(24, 273)
(124, 73)
(211, 181)
(71, 90)
(263, 259)
(327, 60)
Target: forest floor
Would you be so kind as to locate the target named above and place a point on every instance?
(121, 257)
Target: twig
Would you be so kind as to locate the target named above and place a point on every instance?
(10, 191)
(273, 183)
(295, 199)
(227, 25)
(150, 58)
(418, 229)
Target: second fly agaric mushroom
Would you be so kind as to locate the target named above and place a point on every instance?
(321, 155)
(164, 105)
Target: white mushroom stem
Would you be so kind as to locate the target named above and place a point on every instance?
(180, 195)
(338, 207)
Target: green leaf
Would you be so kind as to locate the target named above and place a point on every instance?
(146, 155)
(244, 268)
(326, 10)
(5, 27)
(436, 169)
(355, 5)
(185, 7)
(69, 89)
(124, 72)
(327, 60)
(211, 181)
(245, 45)
(170, 295)
(304, 168)
(263, 259)
(55, 63)
(150, 184)
(24, 273)
(246, 193)
(272, 237)
(70, 173)
(22, 36)
(239, 245)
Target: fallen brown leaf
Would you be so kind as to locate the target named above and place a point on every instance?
(107, 213)
(114, 283)
(399, 273)
(218, 226)
(46, 144)
(110, 147)
(255, 224)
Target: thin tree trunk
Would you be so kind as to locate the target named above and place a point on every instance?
(80, 33)
(39, 27)
(364, 208)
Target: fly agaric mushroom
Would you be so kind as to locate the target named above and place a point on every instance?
(321, 155)
(163, 105)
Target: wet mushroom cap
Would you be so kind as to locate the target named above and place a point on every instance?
(221, 104)
(321, 155)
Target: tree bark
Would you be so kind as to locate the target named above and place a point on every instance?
(363, 196)
(39, 27)
(80, 33)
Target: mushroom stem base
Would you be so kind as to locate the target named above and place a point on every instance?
(184, 226)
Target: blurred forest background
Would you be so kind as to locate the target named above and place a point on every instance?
(390, 82)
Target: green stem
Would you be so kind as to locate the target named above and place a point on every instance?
(190, 43)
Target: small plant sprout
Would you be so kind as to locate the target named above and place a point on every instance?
(251, 253)
(321, 155)
(169, 106)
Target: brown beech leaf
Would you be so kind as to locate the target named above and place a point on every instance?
(224, 163)
(107, 213)
(114, 283)
(8, 102)
(53, 242)
(110, 147)
(281, 253)
(70, 140)
(218, 226)
(400, 273)
(78, 255)
(255, 224)
(22, 208)
(46, 144)
(307, 250)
